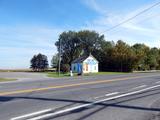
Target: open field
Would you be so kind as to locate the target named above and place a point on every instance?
(15, 70)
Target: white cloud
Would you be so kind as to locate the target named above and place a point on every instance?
(93, 4)
(19, 44)
(142, 29)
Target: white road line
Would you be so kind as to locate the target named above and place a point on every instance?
(114, 93)
(106, 95)
(158, 82)
(141, 86)
(90, 104)
(98, 97)
(31, 114)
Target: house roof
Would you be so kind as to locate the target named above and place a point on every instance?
(81, 59)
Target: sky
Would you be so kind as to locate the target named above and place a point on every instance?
(29, 27)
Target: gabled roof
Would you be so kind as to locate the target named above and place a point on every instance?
(81, 59)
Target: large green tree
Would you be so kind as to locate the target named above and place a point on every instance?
(103, 55)
(73, 44)
(152, 58)
(39, 62)
(90, 41)
(69, 46)
(122, 57)
(141, 52)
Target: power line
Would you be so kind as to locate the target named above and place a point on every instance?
(143, 11)
(151, 17)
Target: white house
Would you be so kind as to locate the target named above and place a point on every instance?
(85, 64)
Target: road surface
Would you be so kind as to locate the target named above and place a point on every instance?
(134, 96)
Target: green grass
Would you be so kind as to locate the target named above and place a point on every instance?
(15, 70)
(109, 73)
(104, 73)
(54, 74)
(6, 79)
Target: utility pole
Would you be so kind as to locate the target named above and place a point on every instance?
(59, 65)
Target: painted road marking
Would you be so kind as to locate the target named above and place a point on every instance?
(31, 114)
(158, 82)
(114, 93)
(106, 95)
(90, 104)
(71, 85)
(141, 86)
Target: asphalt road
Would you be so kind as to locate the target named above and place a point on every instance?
(25, 97)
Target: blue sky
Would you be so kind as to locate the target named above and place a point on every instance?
(28, 27)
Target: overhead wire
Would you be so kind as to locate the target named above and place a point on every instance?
(133, 17)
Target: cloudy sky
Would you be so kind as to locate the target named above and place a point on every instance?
(28, 27)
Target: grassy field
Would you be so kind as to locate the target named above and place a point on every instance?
(6, 79)
(106, 73)
(54, 74)
(15, 70)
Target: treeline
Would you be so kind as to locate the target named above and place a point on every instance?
(112, 56)
(122, 57)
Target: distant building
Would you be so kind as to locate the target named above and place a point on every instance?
(85, 64)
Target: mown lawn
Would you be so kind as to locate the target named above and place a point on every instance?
(109, 73)
(6, 79)
(54, 74)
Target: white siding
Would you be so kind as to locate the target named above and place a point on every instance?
(91, 62)
(92, 65)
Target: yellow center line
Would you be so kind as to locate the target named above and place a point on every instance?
(70, 85)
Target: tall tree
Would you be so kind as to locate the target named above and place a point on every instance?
(103, 55)
(158, 60)
(90, 41)
(39, 62)
(69, 46)
(34, 63)
(141, 52)
(152, 58)
(74, 44)
(123, 58)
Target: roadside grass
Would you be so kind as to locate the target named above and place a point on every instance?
(15, 70)
(106, 73)
(55, 74)
(7, 79)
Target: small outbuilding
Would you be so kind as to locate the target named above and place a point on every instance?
(85, 64)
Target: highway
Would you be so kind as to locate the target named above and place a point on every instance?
(133, 96)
